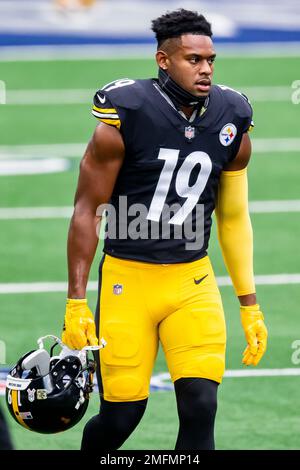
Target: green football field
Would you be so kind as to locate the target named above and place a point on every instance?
(254, 412)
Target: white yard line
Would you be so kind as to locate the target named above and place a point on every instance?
(39, 287)
(33, 167)
(49, 97)
(268, 93)
(265, 279)
(62, 212)
(42, 151)
(65, 212)
(85, 96)
(76, 150)
(223, 281)
(278, 145)
(263, 372)
(162, 381)
(267, 207)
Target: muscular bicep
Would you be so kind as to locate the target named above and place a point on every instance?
(243, 156)
(99, 168)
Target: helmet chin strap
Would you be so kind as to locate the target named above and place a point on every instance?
(178, 95)
(40, 342)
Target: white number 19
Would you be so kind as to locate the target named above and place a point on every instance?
(191, 193)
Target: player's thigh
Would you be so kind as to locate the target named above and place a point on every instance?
(194, 339)
(127, 360)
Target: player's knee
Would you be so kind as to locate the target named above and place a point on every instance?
(122, 418)
(196, 399)
(122, 368)
(204, 407)
(113, 425)
(125, 388)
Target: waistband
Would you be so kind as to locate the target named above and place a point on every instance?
(112, 260)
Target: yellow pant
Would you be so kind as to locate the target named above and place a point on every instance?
(142, 303)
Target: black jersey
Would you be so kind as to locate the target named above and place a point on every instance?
(165, 193)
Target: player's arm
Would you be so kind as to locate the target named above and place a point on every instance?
(236, 241)
(99, 169)
(234, 225)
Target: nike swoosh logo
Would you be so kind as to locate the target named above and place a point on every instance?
(197, 281)
(101, 99)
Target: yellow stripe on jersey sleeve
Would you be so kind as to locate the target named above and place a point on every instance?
(105, 110)
(107, 115)
(250, 127)
(111, 122)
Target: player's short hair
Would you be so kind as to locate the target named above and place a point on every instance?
(175, 23)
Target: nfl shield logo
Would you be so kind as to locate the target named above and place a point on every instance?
(189, 132)
(31, 393)
(117, 289)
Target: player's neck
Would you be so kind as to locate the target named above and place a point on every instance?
(181, 98)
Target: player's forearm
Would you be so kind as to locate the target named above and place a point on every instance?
(82, 245)
(237, 249)
(235, 233)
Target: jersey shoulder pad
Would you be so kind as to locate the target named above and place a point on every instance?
(235, 98)
(115, 99)
(239, 103)
(125, 93)
(105, 111)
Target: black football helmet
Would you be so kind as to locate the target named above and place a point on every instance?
(47, 393)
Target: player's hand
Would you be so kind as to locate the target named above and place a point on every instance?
(256, 334)
(79, 328)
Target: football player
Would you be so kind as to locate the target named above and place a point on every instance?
(166, 153)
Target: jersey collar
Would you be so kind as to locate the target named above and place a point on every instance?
(202, 120)
(196, 113)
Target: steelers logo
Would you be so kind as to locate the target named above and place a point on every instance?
(227, 134)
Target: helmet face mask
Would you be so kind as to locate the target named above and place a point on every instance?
(57, 400)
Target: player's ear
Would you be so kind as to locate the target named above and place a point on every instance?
(162, 59)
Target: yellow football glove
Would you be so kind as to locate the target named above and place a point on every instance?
(79, 328)
(256, 334)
